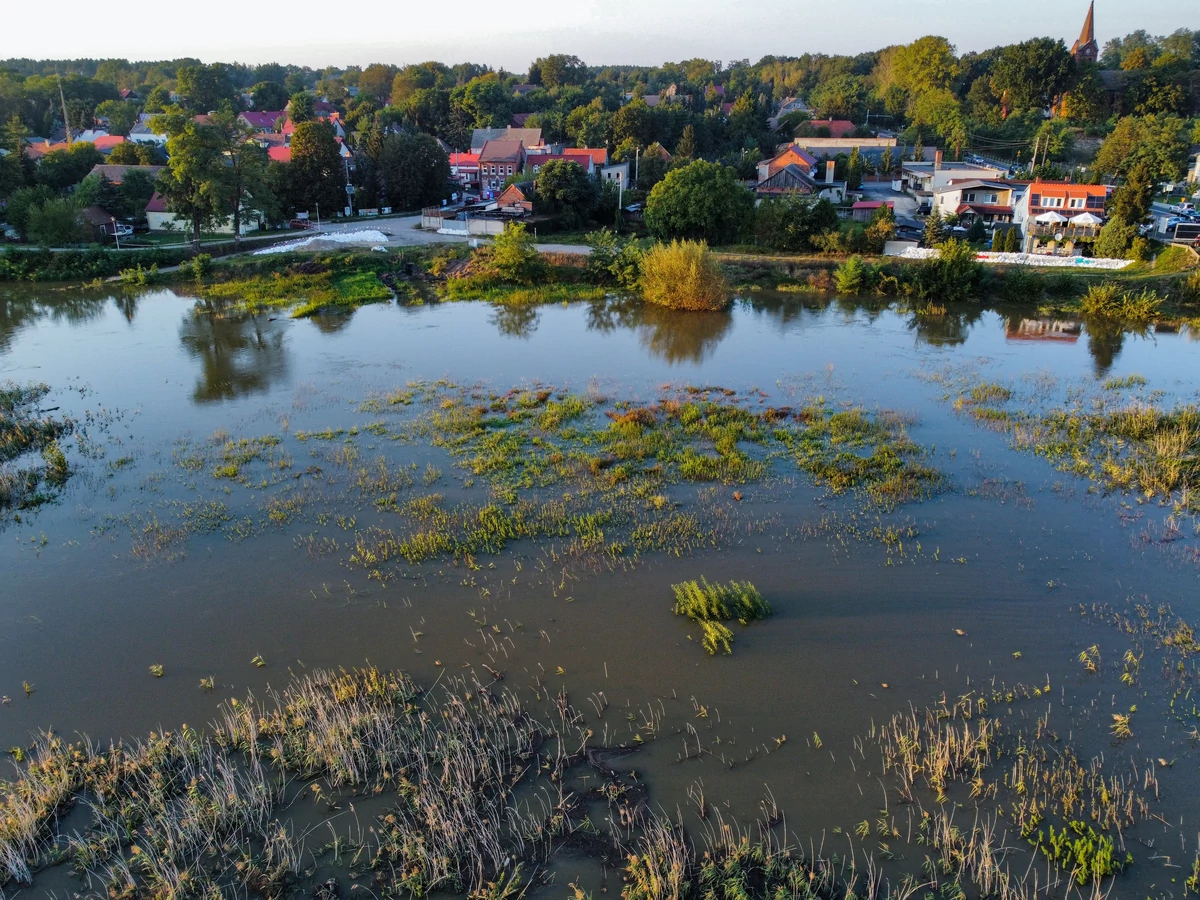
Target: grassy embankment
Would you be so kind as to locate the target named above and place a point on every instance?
(303, 284)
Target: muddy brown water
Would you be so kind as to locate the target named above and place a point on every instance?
(1005, 557)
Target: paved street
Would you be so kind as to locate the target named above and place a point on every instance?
(404, 233)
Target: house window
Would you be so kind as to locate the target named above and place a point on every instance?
(1053, 201)
(970, 198)
(1035, 199)
(1076, 203)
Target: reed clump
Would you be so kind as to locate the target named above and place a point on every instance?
(473, 783)
(711, 605)
(683, 275)
(1110, 301)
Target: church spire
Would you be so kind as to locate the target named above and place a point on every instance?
(1088, 35)
(1086, 49)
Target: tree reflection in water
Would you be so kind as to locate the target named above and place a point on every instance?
(675, 336)
(518, 320)
(22, 306)
(239, 355)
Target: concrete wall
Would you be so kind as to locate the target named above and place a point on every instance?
(817, 143)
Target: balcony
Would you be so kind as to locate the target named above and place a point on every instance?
(1048, 231)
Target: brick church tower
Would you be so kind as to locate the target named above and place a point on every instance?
(1086, 49)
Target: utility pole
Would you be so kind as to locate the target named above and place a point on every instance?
(63, 99)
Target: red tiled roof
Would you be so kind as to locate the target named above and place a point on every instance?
(106, 142)
(873, 204)
(599, 155)
(280, 154)
(464, 159)
(157, 203)
(37, 151)
(839, 128)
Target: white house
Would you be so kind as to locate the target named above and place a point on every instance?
(159, 218)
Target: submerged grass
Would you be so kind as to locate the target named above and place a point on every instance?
(304, 287)
(24, 432)
(711, 605)
(1117, 443)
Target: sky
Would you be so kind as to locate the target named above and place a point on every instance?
(640, 32)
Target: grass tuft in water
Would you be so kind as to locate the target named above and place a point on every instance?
(710, 605)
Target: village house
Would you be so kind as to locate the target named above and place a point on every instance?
(792, 179)
(864, 210)
(1056, 214)
(516, 199)
(159, 218)
(143, 133)
(116, 174)
(619, 174)
(791, 155)
(991, 202)
(921, 179)
(497, 161)
(464, 169)
(530, 138)
(535, 161)
(597, 157)
(786, 106)
(838, 128)
(262, 122)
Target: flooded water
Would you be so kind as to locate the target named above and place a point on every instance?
(96, 586)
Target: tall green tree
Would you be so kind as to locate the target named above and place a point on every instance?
(315, 176)
(121, 116)
(686, 148)
(700, 200)
(246, 188)
(300, 107)
(414, 171)
(1162, 141)
(194, 183)
(1033, 74)
(205, 88)
(565, 190)
(269, 96)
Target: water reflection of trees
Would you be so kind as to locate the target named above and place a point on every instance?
(238, 355)
(946, 328)
(675, 336)
(518, 320)
(22, 307)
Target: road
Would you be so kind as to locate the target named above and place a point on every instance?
(403, 232)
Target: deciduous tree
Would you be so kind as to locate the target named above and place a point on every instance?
(700, 200)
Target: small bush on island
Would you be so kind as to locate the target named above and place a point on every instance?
(1108, 301)
(683, 275)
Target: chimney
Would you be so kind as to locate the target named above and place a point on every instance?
(829, 167)
(937, 159)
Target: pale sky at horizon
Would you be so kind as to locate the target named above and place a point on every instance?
(641, 32)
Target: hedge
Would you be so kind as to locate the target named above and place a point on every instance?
(81, 265)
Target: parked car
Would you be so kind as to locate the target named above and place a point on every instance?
(302, 223)
(117, 229)
(1185, 207)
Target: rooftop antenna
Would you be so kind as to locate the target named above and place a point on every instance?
(66, 121)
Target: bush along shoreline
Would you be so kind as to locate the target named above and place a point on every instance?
(681, 274)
